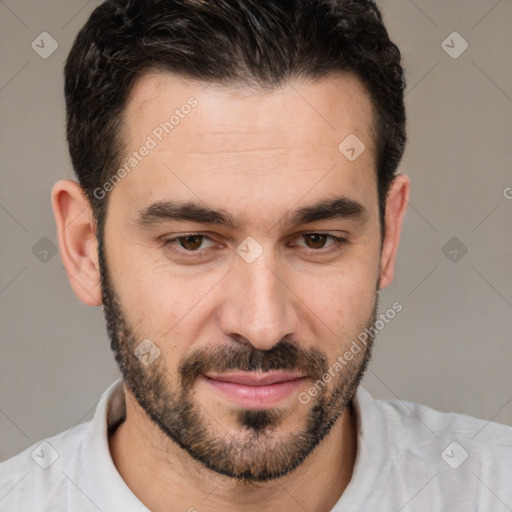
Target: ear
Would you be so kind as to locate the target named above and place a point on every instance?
(76, 232)
(396, 204)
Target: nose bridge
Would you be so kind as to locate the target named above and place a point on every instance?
(258, 305)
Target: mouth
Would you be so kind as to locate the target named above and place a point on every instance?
(255, 390)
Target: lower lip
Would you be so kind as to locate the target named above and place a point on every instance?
(256, 397)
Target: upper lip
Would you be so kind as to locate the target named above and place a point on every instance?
(255, 378)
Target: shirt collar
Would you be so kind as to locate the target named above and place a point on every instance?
(110, 491)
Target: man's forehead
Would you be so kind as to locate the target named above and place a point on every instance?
(268, 151)
(328, 107)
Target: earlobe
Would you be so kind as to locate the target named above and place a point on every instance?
(77, 240)
(396, 205)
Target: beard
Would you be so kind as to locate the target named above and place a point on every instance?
(257, 451)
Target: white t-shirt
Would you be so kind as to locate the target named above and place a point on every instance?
(409, 458)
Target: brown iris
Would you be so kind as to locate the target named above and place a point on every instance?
(317, 240)
(191, 242)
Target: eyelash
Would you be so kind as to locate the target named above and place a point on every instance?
(170, 242)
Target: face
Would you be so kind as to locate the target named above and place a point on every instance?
(242, 243)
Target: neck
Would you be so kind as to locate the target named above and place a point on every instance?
(160, 473)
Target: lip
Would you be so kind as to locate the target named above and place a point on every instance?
(254, 378)
(255, 390)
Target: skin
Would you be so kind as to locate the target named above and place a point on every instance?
(259, 155)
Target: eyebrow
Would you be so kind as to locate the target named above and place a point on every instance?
(337, 208)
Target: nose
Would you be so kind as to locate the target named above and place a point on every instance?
(258, 305)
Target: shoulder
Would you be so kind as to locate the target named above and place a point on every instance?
(72, 470)
(416, 423)
(409, 413)
(27, 478)
(456, 459)
(413, 426)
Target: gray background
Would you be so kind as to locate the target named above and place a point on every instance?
(450, 346)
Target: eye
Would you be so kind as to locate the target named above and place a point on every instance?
(189, 243)
(192, 244)
(317, 241)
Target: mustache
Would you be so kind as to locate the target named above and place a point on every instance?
(283, 356)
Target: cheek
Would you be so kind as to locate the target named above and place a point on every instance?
(342, 302)
(168, 307)
(337, 305)
(158, 305)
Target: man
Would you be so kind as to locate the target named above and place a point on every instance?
(237, 212)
